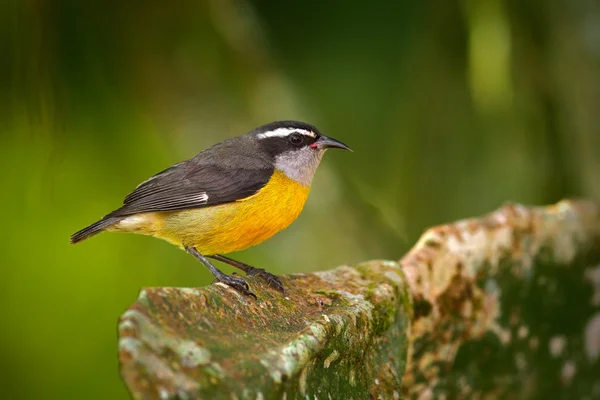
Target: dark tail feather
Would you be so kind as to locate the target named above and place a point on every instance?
(93, 229)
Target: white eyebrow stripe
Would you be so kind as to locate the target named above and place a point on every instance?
(283, 132)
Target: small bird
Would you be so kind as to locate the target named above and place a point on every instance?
(231, 196)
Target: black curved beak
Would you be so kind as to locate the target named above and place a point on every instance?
(325, 142)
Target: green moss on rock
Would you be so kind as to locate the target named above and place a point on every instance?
(339, 333)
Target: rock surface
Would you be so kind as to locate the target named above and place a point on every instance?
(340, 333)
(504, 306)
(507, 306)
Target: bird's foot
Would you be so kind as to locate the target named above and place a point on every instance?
(237, 283)
(272, 280)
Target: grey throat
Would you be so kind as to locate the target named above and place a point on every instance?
(300, 165)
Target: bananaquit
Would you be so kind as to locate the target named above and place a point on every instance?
(228, 197)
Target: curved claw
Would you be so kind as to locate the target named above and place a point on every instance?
(272, 280)
(238, 284)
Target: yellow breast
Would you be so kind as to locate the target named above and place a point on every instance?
(235, 226)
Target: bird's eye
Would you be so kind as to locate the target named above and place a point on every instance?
(296, 139)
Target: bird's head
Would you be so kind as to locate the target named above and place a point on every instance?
(296, 148)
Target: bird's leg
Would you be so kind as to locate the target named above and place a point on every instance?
(271, 279)
(236, 283)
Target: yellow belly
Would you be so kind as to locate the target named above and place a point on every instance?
(234, 226)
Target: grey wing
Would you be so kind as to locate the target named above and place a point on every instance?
(189, 185)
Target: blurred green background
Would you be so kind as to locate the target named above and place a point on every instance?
(452, 108)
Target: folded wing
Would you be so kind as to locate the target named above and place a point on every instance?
(188, 185)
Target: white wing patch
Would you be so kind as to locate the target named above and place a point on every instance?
(133, 221)
(283, 132)
(200, 197)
